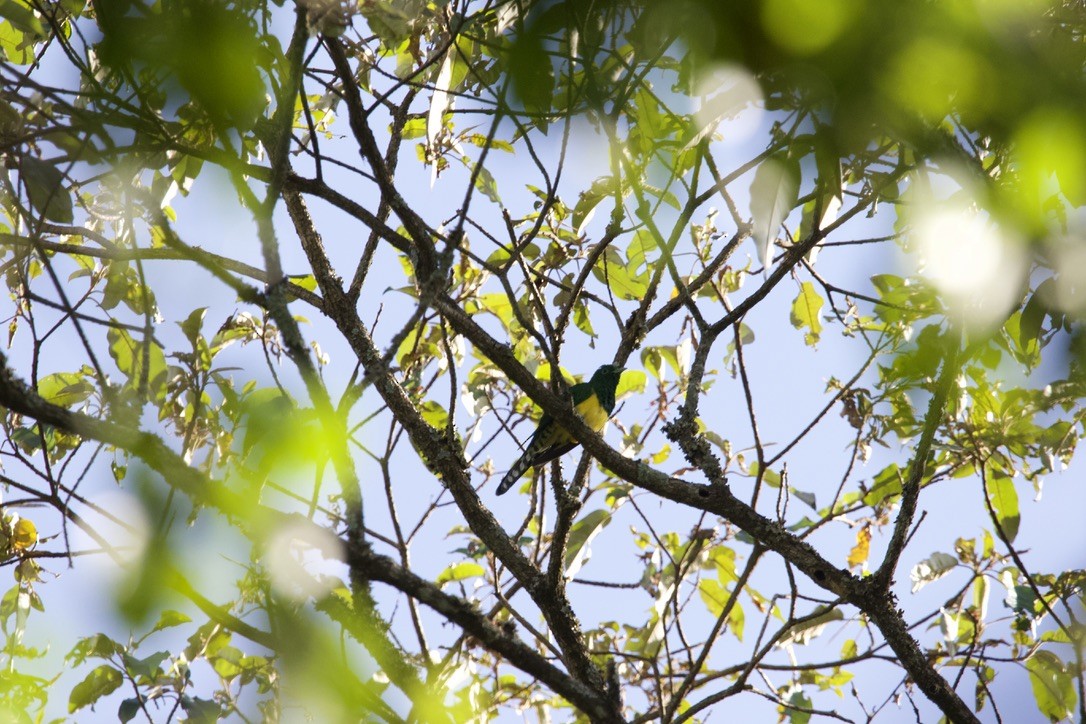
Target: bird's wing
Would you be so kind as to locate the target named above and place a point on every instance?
(581, 392)
(548, 442)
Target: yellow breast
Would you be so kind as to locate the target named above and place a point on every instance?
(593, 413)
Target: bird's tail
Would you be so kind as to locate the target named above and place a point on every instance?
(519, 468)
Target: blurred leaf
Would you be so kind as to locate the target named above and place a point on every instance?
(582, 320)
(714, 595)
(201, 711)
(799, 708)
(210, 49)
(100, 682)
(485, 182)
(21, 17)
(97, 646)
(531, 70)
(169, 619)
(147, 669)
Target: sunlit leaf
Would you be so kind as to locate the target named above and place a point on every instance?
(805, 312)
(584, 531)
(1004, 499)
(803, 633)
(1053, 685)
(857, 557)
(773, 194)
(24, 534)
(65, 388)
(460, 572)
(931, 569)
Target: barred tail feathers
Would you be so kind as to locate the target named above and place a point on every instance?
(517, 471)
(548, 442)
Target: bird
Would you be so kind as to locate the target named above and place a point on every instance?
(594, 401)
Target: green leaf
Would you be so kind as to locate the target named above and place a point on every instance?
(192, 324)
(1004, 499)
(578, 549)
(459, 572)
(485, 183)
(498, 305)
(849, 649)
(887, 484)
(582, 320)
(434, 414)
(65, 388)
(773, 193)
(805, 313)
(101, 682)
(227, 662)
(99, 646)
(631, 382)
(128, 710)
(653, 361)
(613, 272)
(147, 669)
(713, 595)
(169, 618)
(799, 709)
(45, 189)
(1033, 314)
(769, 476)
(1022, 600)
(201, 711)
(1053, 686)
(589, 199)
(1026, 346)
(214, 54)
(129, 356)
(22, 18)
(532, 74)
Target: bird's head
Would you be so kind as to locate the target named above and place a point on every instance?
(608, 375)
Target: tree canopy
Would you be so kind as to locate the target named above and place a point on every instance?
(291, 284)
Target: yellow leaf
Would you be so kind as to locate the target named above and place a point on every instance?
(858, 555)
(25, 534)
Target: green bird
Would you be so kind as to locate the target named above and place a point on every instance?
(594, 401)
